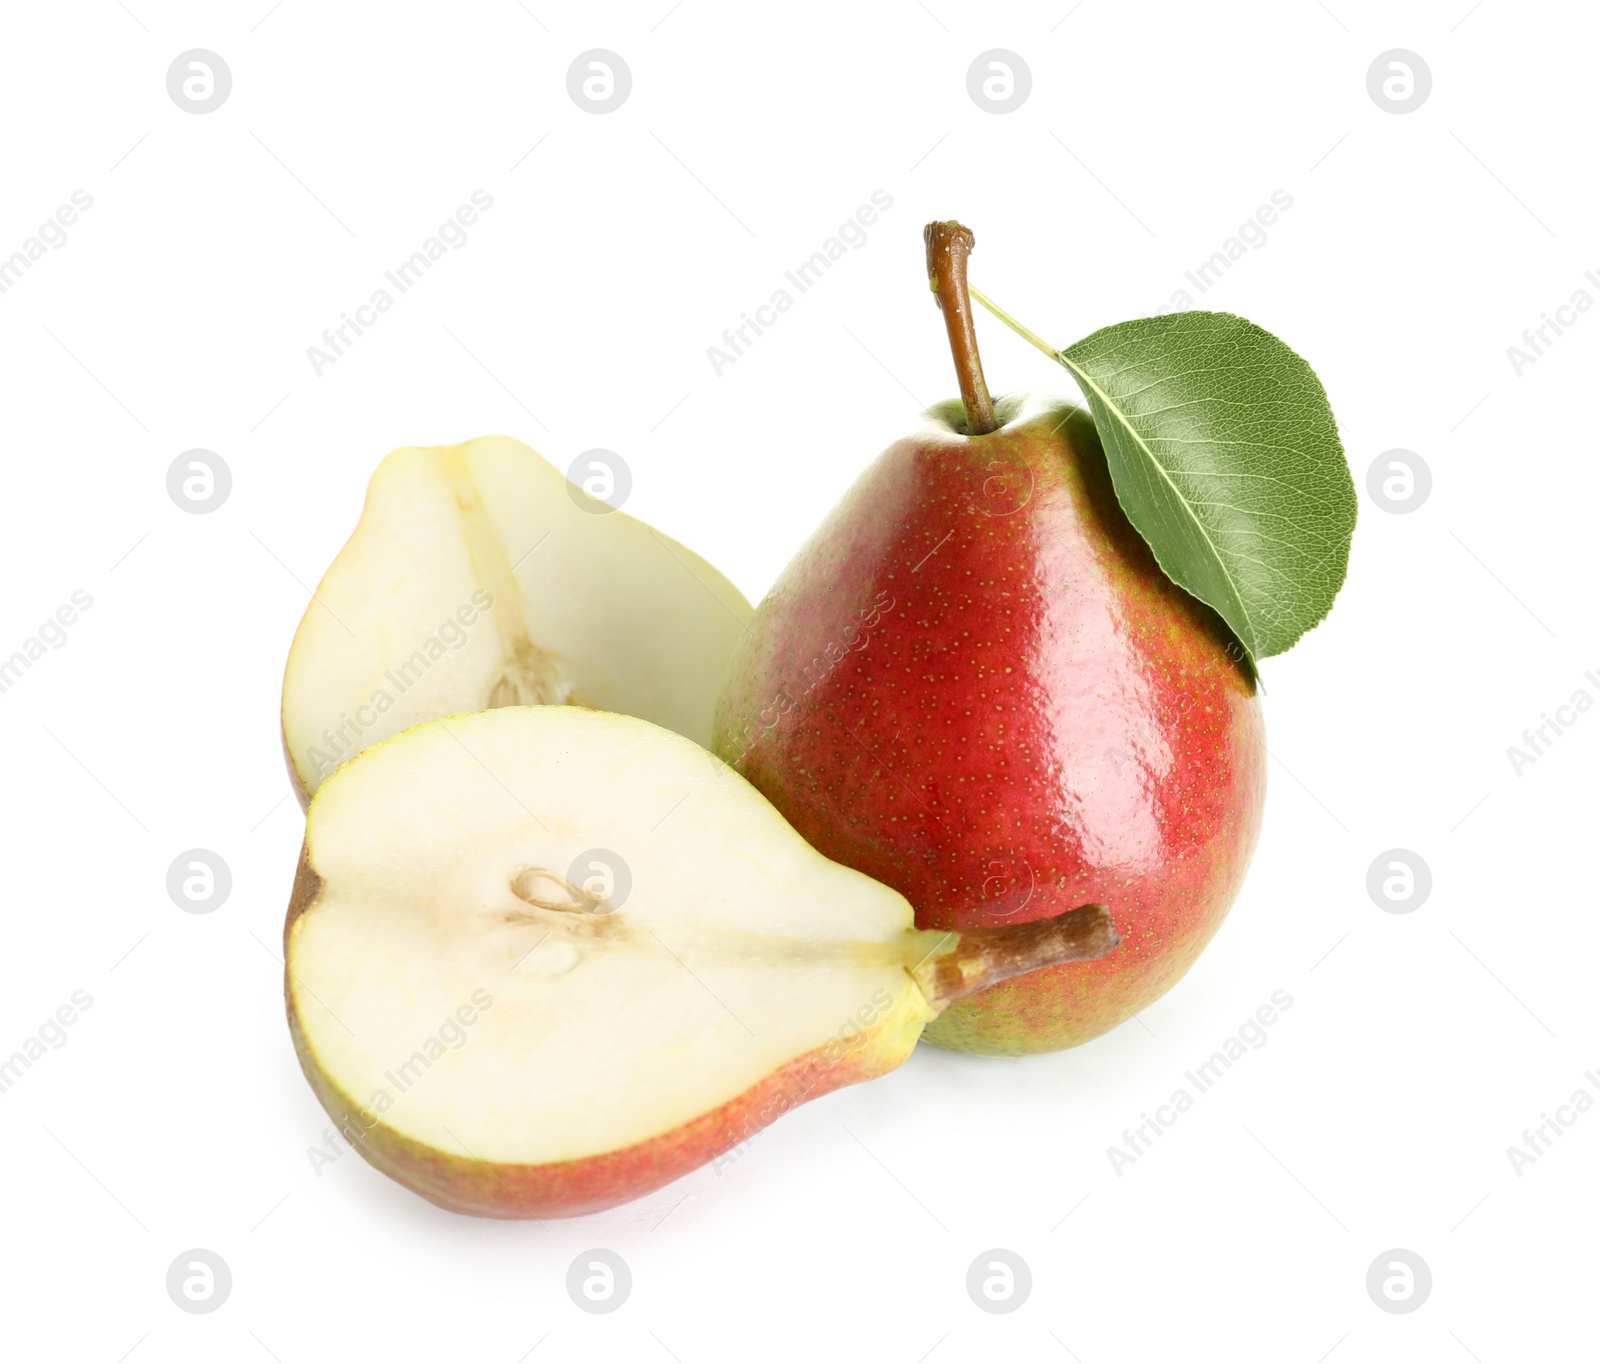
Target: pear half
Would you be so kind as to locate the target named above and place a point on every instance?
(478, 576)
(541, 960)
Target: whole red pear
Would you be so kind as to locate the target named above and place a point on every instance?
(975, 685)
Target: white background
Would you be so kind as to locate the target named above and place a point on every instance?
(177, 315)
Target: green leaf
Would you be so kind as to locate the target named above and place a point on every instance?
(1224, 455)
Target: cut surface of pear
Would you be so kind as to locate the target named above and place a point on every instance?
(541, 960)
(478, 576)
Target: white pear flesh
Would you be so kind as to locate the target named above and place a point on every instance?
(476, 578)
(447, 867)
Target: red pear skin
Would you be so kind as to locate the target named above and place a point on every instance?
(576, 1187)
(975, 685)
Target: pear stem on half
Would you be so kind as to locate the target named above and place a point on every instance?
(948, 246)
(983, 957)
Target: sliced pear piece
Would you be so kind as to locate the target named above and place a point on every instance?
(541, 960)
(478, 576)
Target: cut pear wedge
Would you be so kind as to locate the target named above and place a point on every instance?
(478, 576)
(542, 960)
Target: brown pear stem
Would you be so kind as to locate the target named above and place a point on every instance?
(949, 245)
(986, 956)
